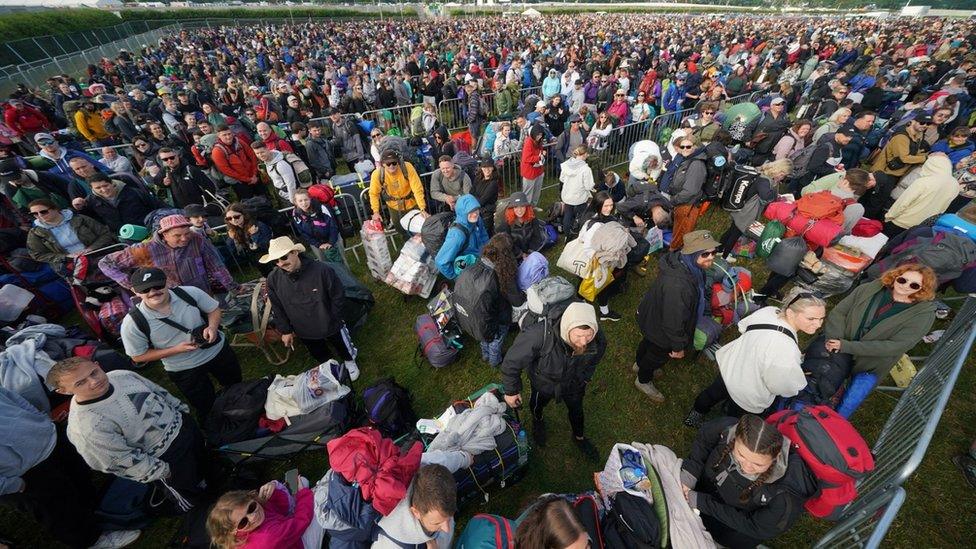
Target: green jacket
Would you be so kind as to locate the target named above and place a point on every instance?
(506, 102)
(45, 248)
(883, 345)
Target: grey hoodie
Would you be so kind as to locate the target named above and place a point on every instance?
(400, 528)
(27, 437)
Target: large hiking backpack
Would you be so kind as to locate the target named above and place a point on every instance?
(716, 168)
(474, 295)
(832, 449)
(631, 523)
(543, 299)
(736, 193)
(302, 172)
(821, 205)
(389, 408)
(260, 208)
(435, 228)
(236, 411)
(358, 300)
(488, 532)
(432, 344)
(467, 163)
(826, 373)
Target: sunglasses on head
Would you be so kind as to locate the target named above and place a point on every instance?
(234, 217)
(799, 296)
(39, 213)
(251, 508)
(912, 285)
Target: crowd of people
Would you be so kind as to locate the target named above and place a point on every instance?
(868, 119)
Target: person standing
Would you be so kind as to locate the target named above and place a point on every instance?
(670, 310)
(181, 328)
(685, 190)
(307, 298)
(533, 166)
(561, 356)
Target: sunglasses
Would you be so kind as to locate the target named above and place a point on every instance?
(233, 217)
(45, 142)
(686, 146)
(708, 112)
(376, 135)
(390, 164)
(912, 285)
(799, 296)
(167, 158)
(618, 95)
(708, 253)
(39, 213)
(251, 508)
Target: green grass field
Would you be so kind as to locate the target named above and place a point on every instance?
(939, 511)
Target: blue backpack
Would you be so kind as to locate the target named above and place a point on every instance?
(488, 532)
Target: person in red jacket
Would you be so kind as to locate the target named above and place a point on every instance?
(258, 520)
(25, 119)
(533, 167)
(271, 139)
(238, 163)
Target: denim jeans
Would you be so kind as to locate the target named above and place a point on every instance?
(491, 351)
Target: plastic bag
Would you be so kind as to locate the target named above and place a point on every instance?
(772, 233)
(304, 393)
(655, 237)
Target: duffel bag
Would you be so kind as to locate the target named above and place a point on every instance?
(786, 256)
(432, 344)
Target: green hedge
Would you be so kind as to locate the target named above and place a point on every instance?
(40, 23)
(188, 14)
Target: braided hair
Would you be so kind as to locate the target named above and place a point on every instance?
(759, 437)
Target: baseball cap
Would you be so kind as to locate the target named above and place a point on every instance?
(846, 132)
(923, 119)
(9, 170)
(698, 241)
(389, 155)
(147, 278)
(38, 137)
(777, 101)
(518, 199)
(486, 162)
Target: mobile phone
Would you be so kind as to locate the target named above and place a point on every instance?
(291, 481)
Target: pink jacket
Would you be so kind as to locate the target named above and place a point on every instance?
(279, 530)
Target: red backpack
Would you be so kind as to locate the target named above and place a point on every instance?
(822, 205)
(323, 193)
(832, 449)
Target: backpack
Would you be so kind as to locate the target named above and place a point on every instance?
(736, 193)
(142, 323)
(821, 205)
(260, 209)
(358, 299)
(588, 513)
(801, 159)
(303, 175)
(488, 532)
(832, 449)
(826, 373)
(475, 293)
(467, 163)
(434, 231)
(323, 194)
(389, 408)
(236, 411)
(631, 523)
(431, 342)
(716, 168)
(543, 297)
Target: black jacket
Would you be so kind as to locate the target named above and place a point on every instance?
(826, 149)
(640, 205)
(774, 128)
(132, 206)
(307, 303)
(772, 508)
(320, 156)
(552, 367)
(526, 237)
(667, 315)
(495, 303)
(187, 185)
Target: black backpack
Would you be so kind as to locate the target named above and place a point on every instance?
(736, 193)
(717, 168)
(260, 209)
(631, 524)
(467, 163)
(434, 231)
(473, 298)
(389, 408)
(236, 411)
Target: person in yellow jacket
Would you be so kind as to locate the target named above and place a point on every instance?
(927, 196)
(89, 123)
(397, 182)
(905, 150)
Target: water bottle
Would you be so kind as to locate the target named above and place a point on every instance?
(632, 476)
(523, 444)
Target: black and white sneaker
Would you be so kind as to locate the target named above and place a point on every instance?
(610, 315)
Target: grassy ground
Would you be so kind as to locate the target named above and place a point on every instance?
(938, 513)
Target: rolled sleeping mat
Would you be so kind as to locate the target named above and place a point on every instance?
(412, 221)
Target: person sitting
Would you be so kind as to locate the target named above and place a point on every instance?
(23, 186)
(116, 162)
(613, 185)
(518, 221)
(125, 425)
(466, 236)
(744, 481)
(764, 362)
(249, 237)
(879, 321)
(497, 262)
(314, 223)
(397, 182)
(425, 516)
(551, 524)
(60, 236)
(930, 194)
(448, 182)
(262, 518)
(116, 203)
(187, 258)
(560, 363)
(958, 146)
(824, 160)
(51, 150)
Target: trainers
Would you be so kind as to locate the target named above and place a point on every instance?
(116, 539)
(967, 465)
(610, 315)
(587, 448)
(695, 419)
(353, 369)
(657, 373)
(539, 432)
(650, 390)
(634, 367)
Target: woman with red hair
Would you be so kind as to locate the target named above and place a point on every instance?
(528, 233)
(878, 322)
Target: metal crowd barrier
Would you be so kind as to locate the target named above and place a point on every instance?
(451, 112)
(865, 527)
